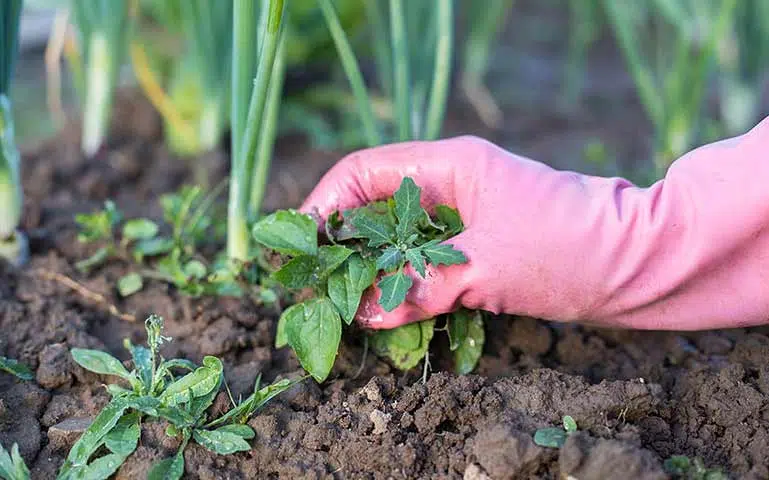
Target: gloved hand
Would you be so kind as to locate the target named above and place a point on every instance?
(691, 252)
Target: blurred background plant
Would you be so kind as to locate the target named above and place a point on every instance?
(698, 69)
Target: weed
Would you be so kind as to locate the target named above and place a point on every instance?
(12, 466)
(152, 389)
(378, 239)
(16, 368)
(555, 437)
(682, 467)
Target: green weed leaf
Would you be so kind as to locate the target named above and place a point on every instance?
(330, 258)
(466, 339)
(98, 225)
(14, 367)
(195, 269)
(142, 358)
(102, 468)
(98, 258)
(152, 247)
(298, 273)
(243, 431)
(281, 338)
(221, 442)
(406, 345)
(100, 362)
(170, 468)
(288, 232)
(129, 284)
(12, 466)
(199, 383)
(407, 208)
(140, 229)
(417, 260)
(346, 285)
(394, 289)
(389, 260)
(124, 436)
(314, 332)
(373, 224)
(553, 437)
(241, 413)
(443, 254)
(93, 437)
(449, 217)
(569, 424)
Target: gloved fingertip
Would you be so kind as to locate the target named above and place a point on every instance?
(371, 315)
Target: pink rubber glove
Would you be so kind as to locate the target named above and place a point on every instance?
(691, 252)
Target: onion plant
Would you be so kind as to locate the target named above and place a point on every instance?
(102, 27)
(413, 50)
(486, 20)
(744, 64)
(255, 94)
(13, 246)
(193, 99)
(671, 78)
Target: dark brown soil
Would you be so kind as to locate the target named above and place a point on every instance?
(638, 397)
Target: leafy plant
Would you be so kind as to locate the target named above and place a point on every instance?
(13, 243)
(555, 437)
(102, 27)
(152, 389)
(169, 252)
(12, 466)
(16, 368)
(379, 239)
(681, 466)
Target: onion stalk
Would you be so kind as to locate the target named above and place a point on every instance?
(102, 27)
(250, 86)
(13, 243)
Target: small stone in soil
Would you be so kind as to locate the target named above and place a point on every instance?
(55, 368)
(64, 434)
(380, 421)
(475, 472)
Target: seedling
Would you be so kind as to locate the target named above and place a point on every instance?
(12, 466)
(379, 239)
(682, 467)
(13, 243)
(555, 437)
(170, 252)
(14, 367)
(152, 389)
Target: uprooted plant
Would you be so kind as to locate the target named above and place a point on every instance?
(379, 239)
(153, 390)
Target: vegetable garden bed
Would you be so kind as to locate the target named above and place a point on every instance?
(637, 398)
(544, 401)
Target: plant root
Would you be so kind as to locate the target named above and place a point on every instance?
(84, 292)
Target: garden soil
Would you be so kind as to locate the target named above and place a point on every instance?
(637, 397)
